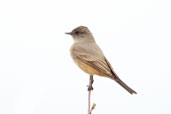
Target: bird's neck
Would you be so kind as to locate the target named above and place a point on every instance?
(84, 40)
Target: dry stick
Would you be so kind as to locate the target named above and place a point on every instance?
(90, 88)
(89, 95)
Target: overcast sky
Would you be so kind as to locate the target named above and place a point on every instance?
(38, 76)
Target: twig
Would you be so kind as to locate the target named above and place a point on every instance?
(90, 88)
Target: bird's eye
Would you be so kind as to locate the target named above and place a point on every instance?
(76, 32)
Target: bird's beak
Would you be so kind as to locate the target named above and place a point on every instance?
(70, 33)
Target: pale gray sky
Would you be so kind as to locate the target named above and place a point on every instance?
(38, 76)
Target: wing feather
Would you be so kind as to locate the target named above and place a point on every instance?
(98, 63)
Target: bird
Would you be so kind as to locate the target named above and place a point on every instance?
(89, 57)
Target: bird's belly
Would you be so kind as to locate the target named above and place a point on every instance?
(88, 69)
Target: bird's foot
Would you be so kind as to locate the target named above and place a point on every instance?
(90, 86)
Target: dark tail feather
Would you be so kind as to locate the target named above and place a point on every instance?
(121, 83)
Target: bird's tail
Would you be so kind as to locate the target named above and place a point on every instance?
(121, 83)
(118, 80)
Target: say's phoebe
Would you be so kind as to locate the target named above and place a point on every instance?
(89, 57)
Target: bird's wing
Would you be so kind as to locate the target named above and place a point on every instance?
(102, 65)
(99, 63)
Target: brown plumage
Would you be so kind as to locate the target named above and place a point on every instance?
(89, 57)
